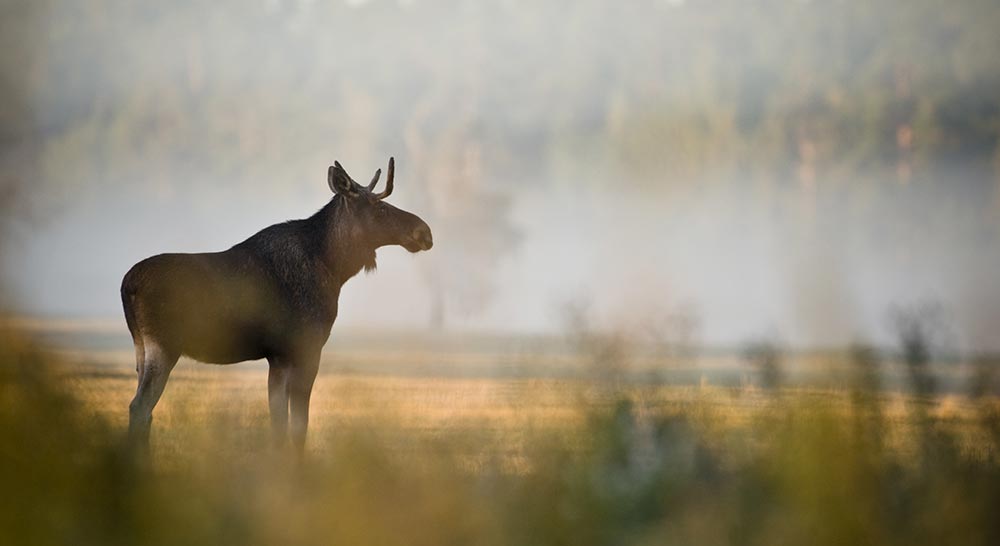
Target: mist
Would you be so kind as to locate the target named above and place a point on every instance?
(782, 169)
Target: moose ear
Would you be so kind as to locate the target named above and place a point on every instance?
(338, 180)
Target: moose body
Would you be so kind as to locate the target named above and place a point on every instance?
(273, 296)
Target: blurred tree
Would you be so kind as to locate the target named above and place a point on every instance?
(766, 357)
(22, 131)
(919, 327)
(471, 220)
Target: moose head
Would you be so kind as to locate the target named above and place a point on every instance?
(374, 222)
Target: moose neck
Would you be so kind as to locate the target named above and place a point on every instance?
(340, 249)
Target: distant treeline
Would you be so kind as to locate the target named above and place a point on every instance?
(663, 91)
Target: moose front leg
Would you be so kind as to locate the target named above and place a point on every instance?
(300, 383)
(277, 399)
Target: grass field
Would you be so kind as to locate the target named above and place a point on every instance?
(476, 444)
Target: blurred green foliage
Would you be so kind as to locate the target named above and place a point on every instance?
(806, 470)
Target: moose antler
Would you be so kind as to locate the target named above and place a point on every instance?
(388, 180)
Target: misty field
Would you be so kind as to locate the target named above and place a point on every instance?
(414, 457)
(501, 414)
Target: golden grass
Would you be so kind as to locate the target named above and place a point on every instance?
(502, 414)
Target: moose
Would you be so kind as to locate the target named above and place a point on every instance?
(273, 296)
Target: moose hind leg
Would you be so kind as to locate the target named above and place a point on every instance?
(156, 366)
(277, 399)
(140, 356)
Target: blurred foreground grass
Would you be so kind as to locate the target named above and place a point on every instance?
(491, 461)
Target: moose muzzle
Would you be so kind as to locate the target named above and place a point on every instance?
(422, 239)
